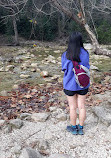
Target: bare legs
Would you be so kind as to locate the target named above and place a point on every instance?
(72, 100)
(82, 109)
(77, 101)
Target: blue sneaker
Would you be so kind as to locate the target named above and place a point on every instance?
(72, 129)
(80, 130)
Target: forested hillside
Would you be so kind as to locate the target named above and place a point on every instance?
(40, 20)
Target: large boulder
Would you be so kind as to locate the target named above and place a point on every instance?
(40, 117)
(103, 112)
(16, 123)
(61, 117)
(90, 118)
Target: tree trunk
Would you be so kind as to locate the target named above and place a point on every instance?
(15, 30)
(59, 26)
(61, 23)
(92, 37)
(96, 48)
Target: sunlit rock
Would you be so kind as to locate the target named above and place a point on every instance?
(25, 76)
(44, 74)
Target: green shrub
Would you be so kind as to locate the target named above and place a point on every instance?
(46, 28)
(24, 27)
(104, 33)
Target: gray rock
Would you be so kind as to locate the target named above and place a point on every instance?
(109, 128)
(53, 61)
(16, 123)
(4, 93)
(60, 79)
(2, 69)
(103, 112)
(28, 53)
(57, 51)
(34, 90)
(90, 118)
(33, 70)
(52, 108)
(10, 59)
(59, 63)
(38, 69)
(44, 73)
(16, 149)
(61, 117)
(56, 76)
(41, 117)
(2, 122)
(108, 79)
(42, 97)
(28, 62)
(30, 153)
(104, 97)
(7, 129)
(22, 51)
(25, 65)
(50, 57)
(59, 59)
(9, 68)
(43, 145)
(60, 156)
(26, 57)
(92, 67)
(57, 112)
(32, 55)
(51, 100)
(15, 86)
(25, 115)
(34, 65)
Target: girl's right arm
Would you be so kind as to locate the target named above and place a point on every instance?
(63, 62)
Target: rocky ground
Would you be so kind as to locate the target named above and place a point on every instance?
(44, 134)
(34, 115)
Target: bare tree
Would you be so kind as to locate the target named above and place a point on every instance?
(80, 11)
(13, 8)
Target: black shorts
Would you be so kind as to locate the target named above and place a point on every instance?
(80, 92)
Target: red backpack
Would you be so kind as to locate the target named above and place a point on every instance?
(82, 74)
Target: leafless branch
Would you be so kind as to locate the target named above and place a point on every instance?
(14, 7)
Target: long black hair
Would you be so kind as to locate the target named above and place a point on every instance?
(74, 46)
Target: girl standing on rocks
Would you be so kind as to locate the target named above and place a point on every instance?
(75, 94)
